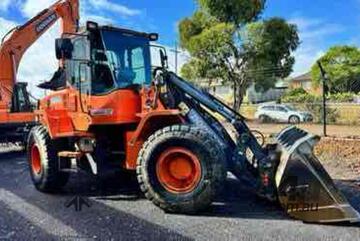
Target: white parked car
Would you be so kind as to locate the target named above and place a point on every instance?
(282, 113)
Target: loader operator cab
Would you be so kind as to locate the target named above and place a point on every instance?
(105, 59)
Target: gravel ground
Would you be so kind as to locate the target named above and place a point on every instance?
(121, 213)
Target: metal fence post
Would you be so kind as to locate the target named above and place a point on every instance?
(324, 90)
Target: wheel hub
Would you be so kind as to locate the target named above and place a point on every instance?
(35, 159)
(178, 170)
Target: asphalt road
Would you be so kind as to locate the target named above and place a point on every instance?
(121, 213)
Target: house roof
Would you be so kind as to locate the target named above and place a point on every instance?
(302, 78)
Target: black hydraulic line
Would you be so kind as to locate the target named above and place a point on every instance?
(215, 105)
(202, 98)
(236, 158)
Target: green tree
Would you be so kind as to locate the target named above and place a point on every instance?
(227, 41)
(342, 64)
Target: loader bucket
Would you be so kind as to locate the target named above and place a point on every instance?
(305, 189)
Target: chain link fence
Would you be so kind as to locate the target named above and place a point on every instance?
(343, 119)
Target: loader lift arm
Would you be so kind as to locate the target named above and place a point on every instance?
(15, 43)
(287, 171)
(200, 102)
(16, 110)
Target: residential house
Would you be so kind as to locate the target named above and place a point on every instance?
(225, 91)
(273, 94)
(304, 81)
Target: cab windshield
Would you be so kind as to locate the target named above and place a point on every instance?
(123, 62)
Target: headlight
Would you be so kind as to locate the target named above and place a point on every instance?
(86, 144)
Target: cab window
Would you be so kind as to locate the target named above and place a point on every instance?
(124, 61)
(77, 68)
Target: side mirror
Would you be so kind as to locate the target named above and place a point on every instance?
(63, 48)
(153, 37)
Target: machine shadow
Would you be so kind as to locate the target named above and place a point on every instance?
(239, 201)
(235, 201)
(351, 189)
(113, 187)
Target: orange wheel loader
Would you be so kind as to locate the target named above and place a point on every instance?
(110, 109)
(16, 109)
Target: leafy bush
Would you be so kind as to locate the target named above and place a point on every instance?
(299, 95)
(296, 92)
(342, 97)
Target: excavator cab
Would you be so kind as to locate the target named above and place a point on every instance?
(17, 121)
(20, 99)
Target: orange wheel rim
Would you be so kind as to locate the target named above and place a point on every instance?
(178, 170)
(35, 159)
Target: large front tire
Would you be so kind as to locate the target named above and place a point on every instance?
(43, 161)
(181, 169)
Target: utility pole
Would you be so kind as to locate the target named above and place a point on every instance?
(324, 90)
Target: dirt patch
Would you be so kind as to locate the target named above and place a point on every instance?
(339, 154)
(341, 157)
(337, 131)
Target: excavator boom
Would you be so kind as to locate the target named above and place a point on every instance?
(18, 40)
(16, 111)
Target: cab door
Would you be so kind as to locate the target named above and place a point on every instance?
(79, 72)
(79, 77)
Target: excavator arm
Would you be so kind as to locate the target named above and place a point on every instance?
(18, 40)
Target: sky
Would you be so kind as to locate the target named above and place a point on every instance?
(321, 24)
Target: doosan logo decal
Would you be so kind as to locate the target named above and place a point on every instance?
(46, 22)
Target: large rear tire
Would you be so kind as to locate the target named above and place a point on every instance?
(43, 161)
(181, 169)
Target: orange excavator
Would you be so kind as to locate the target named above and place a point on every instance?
(111, 110)
(16, 109)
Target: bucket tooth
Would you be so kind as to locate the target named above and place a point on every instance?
(305, 190)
